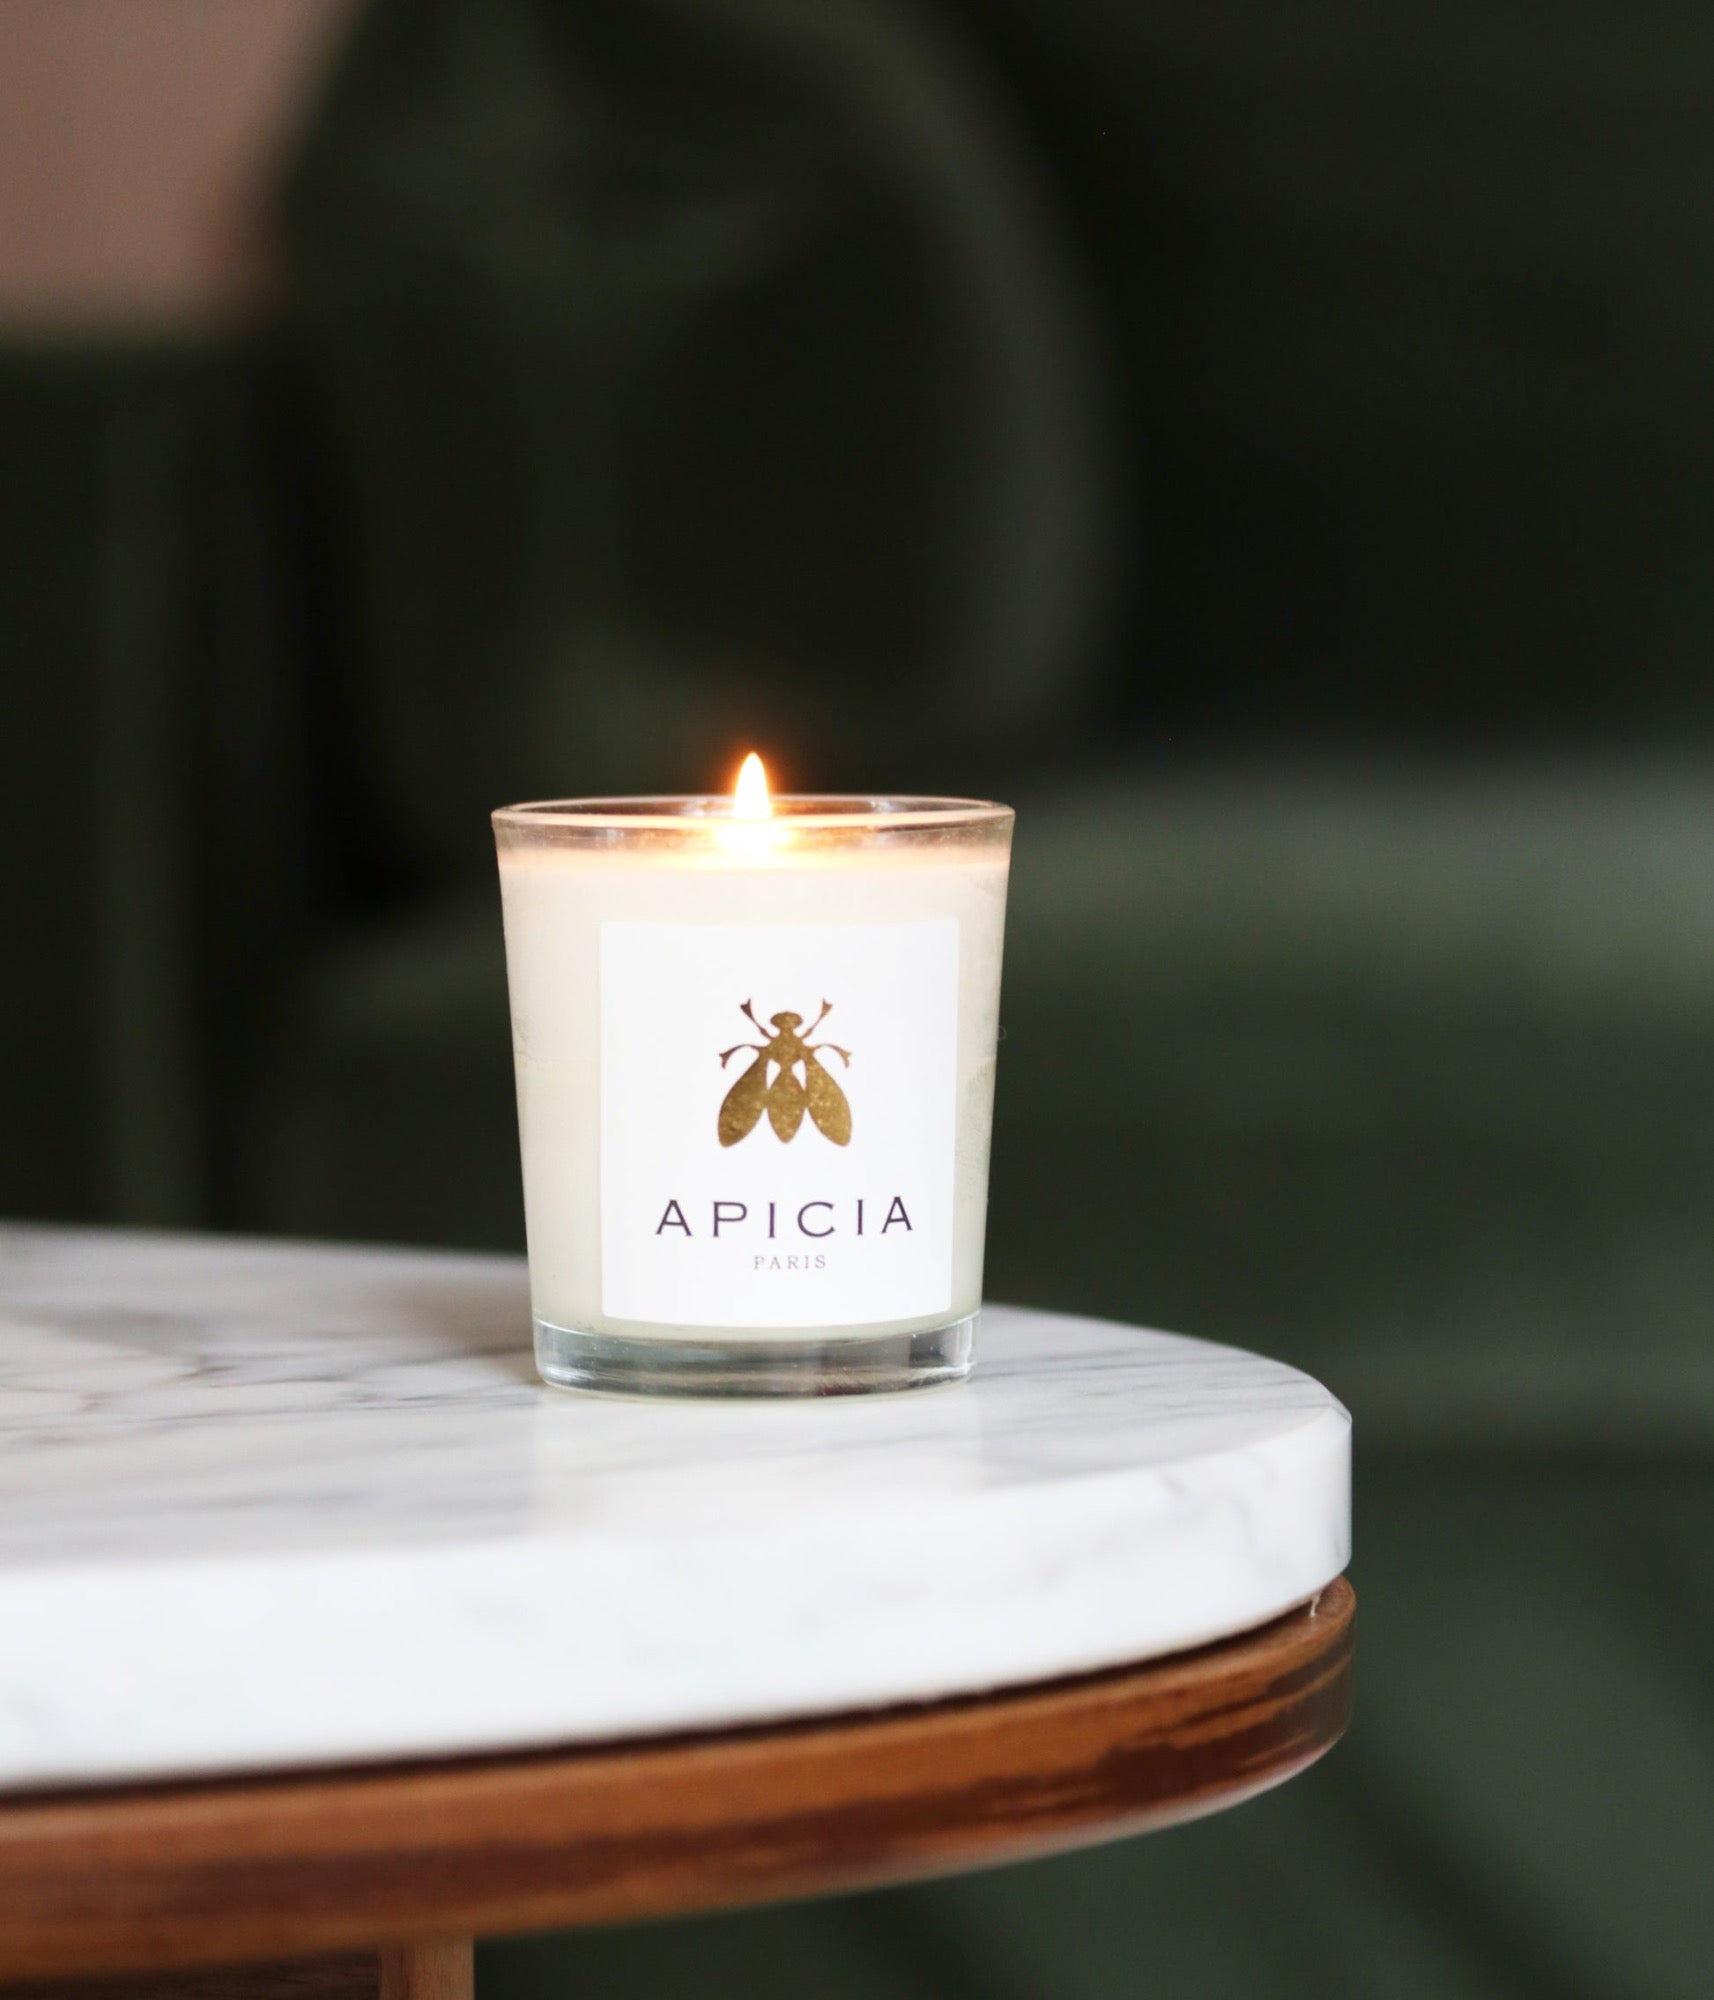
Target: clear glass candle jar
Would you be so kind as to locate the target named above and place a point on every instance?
(755, 1068)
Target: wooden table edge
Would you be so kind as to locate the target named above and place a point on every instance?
(303, 1863)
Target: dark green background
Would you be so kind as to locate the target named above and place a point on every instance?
(1276, 451)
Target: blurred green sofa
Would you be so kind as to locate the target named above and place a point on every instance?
(1272, 453)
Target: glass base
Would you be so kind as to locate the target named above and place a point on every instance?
(620, 1365)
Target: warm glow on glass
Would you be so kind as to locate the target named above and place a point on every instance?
(750, 795)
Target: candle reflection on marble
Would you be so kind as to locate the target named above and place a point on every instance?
(755, 1061)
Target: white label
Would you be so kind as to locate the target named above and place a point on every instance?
(760, 1170)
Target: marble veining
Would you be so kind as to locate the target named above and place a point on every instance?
(266, 1504)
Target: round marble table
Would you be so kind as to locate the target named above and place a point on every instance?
(322, 1625)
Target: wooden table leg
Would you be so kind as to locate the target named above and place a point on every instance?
(439, 1971)
(442, 1970)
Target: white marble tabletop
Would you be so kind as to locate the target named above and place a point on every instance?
(266, 1504)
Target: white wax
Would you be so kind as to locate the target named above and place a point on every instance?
(556, 900)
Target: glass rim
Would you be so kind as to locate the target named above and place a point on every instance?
(879, 812)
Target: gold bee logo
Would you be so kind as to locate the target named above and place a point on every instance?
(789, 1095)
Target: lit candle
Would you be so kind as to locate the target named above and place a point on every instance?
(755, 1064)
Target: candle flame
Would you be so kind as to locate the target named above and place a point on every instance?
(750, 795)
(752, 831)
